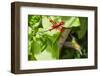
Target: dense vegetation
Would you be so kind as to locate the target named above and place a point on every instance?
(44, 44)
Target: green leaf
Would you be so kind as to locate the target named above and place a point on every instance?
(45, 55)
(48, 53)
(55, 50)
(54, 38)
(29, 47)
(56, 18)
(36, 46)
(83, 27)
(45, 22)
(47, 25)
(77, 55)
(48, 50)
(71, 22)
(34, 21)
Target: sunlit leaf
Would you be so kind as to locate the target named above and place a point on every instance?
(45, 22)
(71, 22)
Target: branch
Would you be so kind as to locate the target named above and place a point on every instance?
(63, 38)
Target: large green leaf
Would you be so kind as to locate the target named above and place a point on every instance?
(47, 25)
(51, 51)
(71, 22)
(45, 22)
(83, 27)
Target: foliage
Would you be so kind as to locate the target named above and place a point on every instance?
(43, 45)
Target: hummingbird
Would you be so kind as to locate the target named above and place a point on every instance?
(73, 44)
